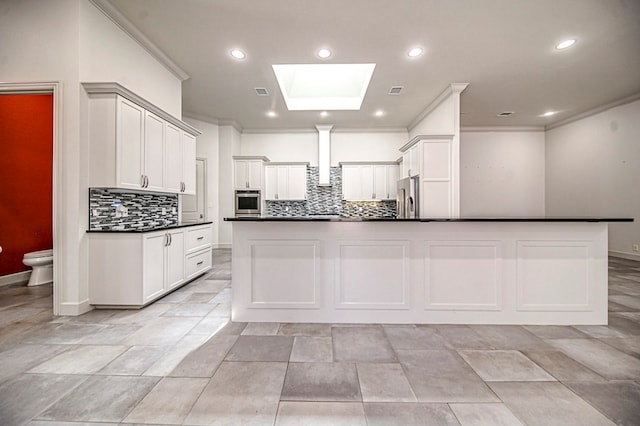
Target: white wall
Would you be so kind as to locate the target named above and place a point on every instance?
(502, 173)
(366, 146)
(41, 41)
(207, 147)
(441, 120)
(109, 54)
(593, 169)
(229, 145)
(282, 147)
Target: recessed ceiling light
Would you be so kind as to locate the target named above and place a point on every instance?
(379, 113)
(414, 52)
(272, 114)
(565, 44)
(324, 114)
(238, 54)
(324, 53)
(549, 113)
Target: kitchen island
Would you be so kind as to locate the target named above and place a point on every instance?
(420, 271)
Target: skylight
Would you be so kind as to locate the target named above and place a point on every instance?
(308, 87)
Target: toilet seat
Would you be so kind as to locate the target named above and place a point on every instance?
(39, 254)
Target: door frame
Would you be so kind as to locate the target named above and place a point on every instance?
(54, 88)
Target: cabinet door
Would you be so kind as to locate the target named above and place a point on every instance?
(351, 183)
(189, 163)
(175, 253)
(130, 144)
(414, 160)
(255, 174)
(153, 266)
(380, 182)
(173, 158)
(282, 188)
(297, 182)
(367, 191)
(241, 174)
(392, 182)
(271, 182)
(154, 151)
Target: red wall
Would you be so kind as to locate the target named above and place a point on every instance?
(26, 178)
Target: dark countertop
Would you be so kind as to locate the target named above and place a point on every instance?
(143, 230)
(330, 218)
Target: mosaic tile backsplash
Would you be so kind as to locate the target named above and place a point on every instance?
(113, 209)
(327, 200)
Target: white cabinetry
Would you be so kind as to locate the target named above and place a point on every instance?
(286, 181)
(135, 145)
(435, 160)
(134, 269)
(369, 181)
(248, 172)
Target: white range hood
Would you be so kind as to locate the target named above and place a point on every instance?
(324, 153)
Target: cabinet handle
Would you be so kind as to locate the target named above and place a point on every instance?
(170, 239)
(141, 181)
(166, 240)
(199, 238)
(146, 179)
(200, 263)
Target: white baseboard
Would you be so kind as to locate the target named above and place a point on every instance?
(18, 277)
(75, 309)
(624, 255)
(222, 246)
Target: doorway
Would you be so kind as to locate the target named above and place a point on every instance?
(26, 170)
(194, 206)
(51, 88)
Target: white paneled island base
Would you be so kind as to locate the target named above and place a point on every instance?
(420, 272)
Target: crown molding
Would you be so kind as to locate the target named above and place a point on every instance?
(117, 89)
(453, 88)
(111, 12)
(626, 100)
(502, 129)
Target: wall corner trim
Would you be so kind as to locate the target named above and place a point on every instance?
(111, 12)
(75, 309)
(453, 88)
(623, 101)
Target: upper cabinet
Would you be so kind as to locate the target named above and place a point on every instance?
(135, 145)
(369, 181)
(286, 181)
(248, 172)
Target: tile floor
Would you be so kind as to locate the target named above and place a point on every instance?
(181, 361)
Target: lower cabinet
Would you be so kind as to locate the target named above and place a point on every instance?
(132, 269)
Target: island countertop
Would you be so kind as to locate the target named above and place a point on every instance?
(336, 218)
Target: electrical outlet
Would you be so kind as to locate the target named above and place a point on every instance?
(635, 247)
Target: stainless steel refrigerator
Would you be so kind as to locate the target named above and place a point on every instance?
(407, 201)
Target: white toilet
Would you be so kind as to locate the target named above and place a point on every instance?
(42, 264)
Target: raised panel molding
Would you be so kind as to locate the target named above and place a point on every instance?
(372, 275)
(463, 275)
(555, 275)
(285, 274)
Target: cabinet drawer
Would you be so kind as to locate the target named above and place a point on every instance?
(197, 238)
(198, 262)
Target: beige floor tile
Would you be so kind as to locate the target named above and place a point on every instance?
(504, 366)
(361, 344)
(169, 402)
(401, 414)
(261, 329)
(601, 358)
(384, 383)
(321, 382)
(312, 349)
(80, 360)
(484, 415)
(548, 403)
(240, 393)
(320, 414)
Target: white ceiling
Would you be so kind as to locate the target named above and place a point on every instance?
(505, 49)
